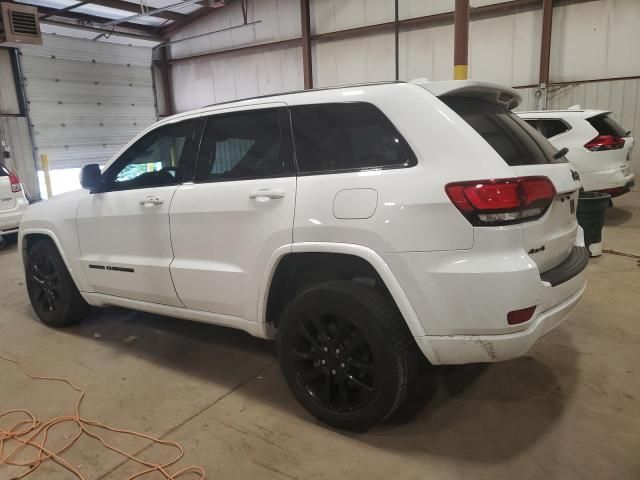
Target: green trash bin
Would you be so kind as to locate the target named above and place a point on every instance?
(592, 207)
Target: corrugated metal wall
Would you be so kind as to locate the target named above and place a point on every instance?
(86, 99)
(591, 40)
(218, 79)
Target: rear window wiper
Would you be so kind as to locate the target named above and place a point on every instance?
(560, 153)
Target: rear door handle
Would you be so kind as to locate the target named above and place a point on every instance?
(151, 200)
(266, 193)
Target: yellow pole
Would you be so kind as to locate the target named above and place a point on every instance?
(44, 160)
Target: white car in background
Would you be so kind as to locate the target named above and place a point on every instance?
(598, 148)
(12, 204)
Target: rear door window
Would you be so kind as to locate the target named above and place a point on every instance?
(346, 136)
(605, 125)
(246, 145)
(511, 137)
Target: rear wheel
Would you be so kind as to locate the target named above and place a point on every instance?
(346, 354)
(52, 292)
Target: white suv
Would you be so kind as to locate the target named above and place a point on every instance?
(359, 225)
(598, 148)
(12, 204)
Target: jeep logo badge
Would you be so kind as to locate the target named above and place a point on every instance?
(575, 175)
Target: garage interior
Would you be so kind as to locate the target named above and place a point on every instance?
(103, 70)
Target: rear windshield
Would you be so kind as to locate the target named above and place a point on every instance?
(515, 141)
(605, 125)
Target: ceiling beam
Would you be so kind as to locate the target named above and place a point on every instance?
(135, 8)
(54, 12)
(191, 18)
(126, 33)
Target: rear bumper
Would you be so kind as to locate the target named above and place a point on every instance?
(614, 181)
(460, 349)
(10, 219)
(463, 298)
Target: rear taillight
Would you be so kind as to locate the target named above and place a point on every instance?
(605, 142)
(16, 186)
(504, 201)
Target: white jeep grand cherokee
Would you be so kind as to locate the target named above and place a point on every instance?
(359, 226)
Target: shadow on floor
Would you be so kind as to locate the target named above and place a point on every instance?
(617, 216)
(479, 412)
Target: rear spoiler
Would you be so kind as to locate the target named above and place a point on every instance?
(491, 92)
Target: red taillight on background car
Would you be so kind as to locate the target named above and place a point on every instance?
(16, 186)
(605, 142)
(503, 201)
(520, 316)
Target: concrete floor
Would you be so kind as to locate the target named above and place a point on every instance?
(568, 410)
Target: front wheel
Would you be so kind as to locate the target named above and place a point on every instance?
(347, 354)
(52, 292)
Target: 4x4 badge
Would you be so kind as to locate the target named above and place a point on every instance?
(575, 175)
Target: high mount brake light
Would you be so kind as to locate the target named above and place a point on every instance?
(502, 201)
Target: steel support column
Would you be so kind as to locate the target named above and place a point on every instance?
(545, 53)
(167, 89)
(305, 20)
(461, 40)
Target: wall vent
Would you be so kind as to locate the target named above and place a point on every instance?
(19, 25)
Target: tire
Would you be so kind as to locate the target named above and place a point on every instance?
(10, 238)
(52, 292)
(369, 355)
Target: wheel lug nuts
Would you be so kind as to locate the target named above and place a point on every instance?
(325, 349)
(333, 372)
(342, 365)
(337, 351)
(323, 362)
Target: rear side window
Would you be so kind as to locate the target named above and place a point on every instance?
(549, 128)
(346, 136)
(246, 145)
(510, 136)
(3, 172)
(605, 125)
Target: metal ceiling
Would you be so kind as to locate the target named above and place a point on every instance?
(150, 19)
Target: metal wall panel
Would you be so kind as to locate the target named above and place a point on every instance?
(86, 99)
(332, 15)
(8, 96)
(219, 79)
(595, 40)
(353, 60)
(280, 20)
(15, 131)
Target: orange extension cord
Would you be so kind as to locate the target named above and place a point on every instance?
(32, 433)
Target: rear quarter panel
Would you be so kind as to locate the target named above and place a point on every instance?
(413, 212)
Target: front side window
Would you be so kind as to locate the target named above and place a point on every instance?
(246, 145)
(346, 136)
(164, 156)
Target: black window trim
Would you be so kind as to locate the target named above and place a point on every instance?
(562, 120)
(410, 164)
(283, 129)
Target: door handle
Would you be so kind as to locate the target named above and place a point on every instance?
(266, 193)
(151, 200)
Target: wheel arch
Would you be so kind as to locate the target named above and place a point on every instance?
(30, 237)
(363, 259)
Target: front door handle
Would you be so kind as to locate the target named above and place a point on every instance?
(151, 200)
(266, 193)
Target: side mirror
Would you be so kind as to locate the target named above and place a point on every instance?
(91, 177)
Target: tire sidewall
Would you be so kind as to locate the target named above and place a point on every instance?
(65, 286)
(330, 300)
